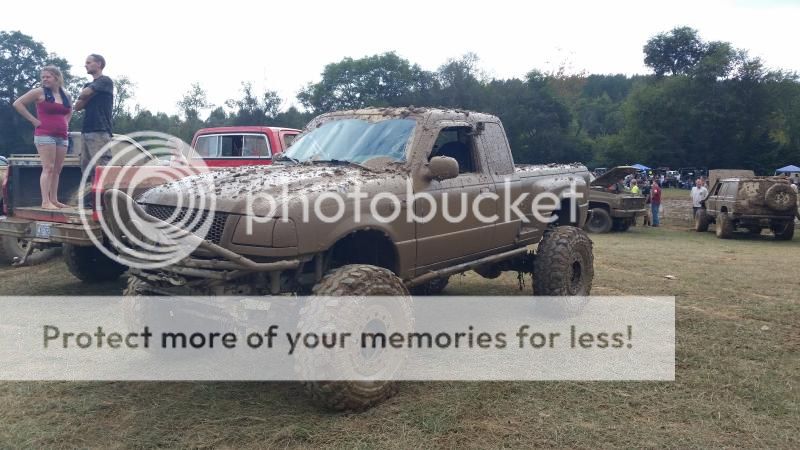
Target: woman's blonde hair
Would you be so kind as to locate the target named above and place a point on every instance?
(56, 73)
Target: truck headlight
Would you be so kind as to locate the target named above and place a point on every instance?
(253, 231)
(284, 234)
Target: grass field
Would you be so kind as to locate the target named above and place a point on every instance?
(737, 373)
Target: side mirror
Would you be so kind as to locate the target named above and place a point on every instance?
(442, 168)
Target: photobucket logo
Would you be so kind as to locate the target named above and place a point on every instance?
(132, 235)
(507, 201)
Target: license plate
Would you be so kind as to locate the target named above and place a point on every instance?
(43, 230)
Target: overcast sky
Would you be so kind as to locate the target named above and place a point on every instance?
(164, 46)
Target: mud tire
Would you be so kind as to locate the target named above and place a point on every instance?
(780, 197)
(564, 263)
(90, 265)
(599, 221)
(724, 228)
(433, 287)
(132, 308)
(353, 280)
(783, 231)
(621, 225)
(12, 248)
(701, 220)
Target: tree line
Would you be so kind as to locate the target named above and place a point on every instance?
(705, 104)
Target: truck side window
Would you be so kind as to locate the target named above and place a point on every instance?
(207, 146)
(288, 138)
(498, 153)
(255, 146)
(457, 143)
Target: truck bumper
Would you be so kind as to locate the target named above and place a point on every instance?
(49, 232)
(628, 214)
(225, 265)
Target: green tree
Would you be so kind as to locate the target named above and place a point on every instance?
(21, 60)
(191, 104)
(252, 108)
(378, 80)
(675, 52)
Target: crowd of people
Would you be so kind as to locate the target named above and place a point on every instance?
(54, 109)
(650, 187)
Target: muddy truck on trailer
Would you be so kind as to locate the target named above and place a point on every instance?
(31, 233)
(392, 152)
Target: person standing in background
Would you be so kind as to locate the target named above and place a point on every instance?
(97, 98)
(655, 202)
(699, 193)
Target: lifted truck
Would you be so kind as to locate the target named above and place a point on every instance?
(378, 151)
(39, 229)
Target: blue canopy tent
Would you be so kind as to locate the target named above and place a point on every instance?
(788, 169)
(640, 167)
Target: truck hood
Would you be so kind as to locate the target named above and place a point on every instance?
(613, 175)
(233, 188)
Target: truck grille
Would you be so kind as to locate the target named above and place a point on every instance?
(633, 203)
(164, 213)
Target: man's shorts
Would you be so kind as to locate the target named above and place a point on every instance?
(92, 144)
(50, 140)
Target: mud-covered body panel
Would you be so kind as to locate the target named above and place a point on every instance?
(281, 231)
(748, 199)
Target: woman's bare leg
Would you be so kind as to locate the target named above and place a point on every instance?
(47, 153)
(61, 153)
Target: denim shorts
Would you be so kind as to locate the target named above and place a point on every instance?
(52, 140)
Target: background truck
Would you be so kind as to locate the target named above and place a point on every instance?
(739, 199)
(35, 230)
(611, 205)
(440, 152)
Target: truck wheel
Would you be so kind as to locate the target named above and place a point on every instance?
(12, 249)
(564, 263)
(784, 231)
(433, 287)
(140, 309)
(724, 227)
(780, 197)
(599, 221)
(621, 225)
(90, 265)
(352, 280)
(701, 220)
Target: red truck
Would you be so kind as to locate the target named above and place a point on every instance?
(28, 231)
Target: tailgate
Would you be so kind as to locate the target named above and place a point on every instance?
(50, 232)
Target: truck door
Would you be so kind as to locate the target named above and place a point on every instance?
(458, 233)
(507, 183)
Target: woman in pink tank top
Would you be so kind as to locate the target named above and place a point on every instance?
(53, 111)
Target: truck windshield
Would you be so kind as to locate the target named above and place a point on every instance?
(355, 140)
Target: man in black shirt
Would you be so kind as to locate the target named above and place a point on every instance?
(97, 98)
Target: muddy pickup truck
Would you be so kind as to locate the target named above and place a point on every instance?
(393, 155)
(611, 206)
(30, 233)
(740, 200)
